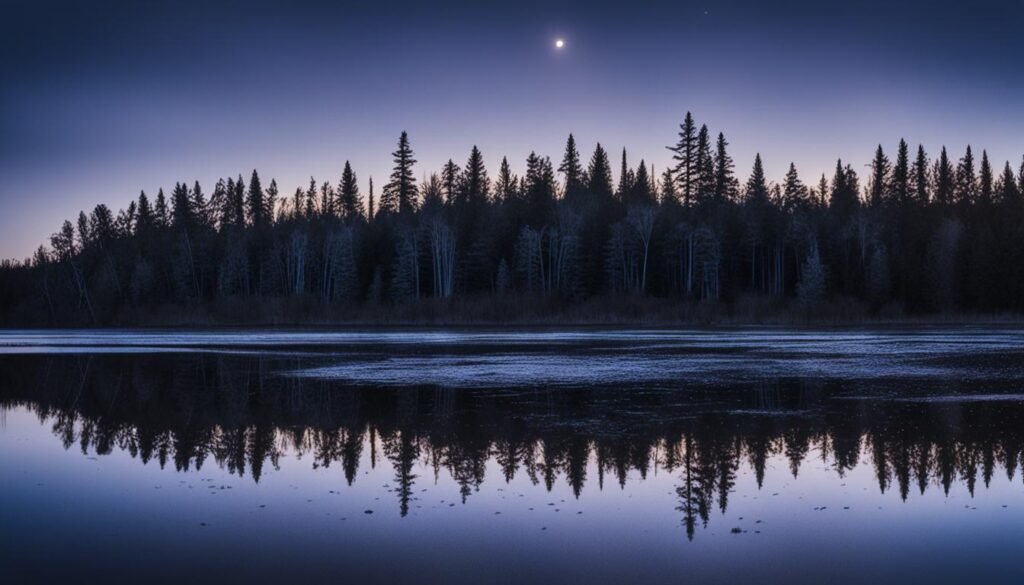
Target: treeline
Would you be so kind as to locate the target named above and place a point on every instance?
(915, 236)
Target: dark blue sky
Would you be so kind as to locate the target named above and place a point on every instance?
(101, 99)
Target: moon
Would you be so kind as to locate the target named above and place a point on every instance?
(559, 43)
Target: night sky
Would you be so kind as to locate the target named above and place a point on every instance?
(101, 99)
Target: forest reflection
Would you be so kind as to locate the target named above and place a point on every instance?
(241, 414)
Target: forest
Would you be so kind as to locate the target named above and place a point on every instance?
(919, 234)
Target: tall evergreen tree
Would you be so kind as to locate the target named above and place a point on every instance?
(921, 177)
(600, 175)
(966, 179)
(181, 205)
(145, 220)
(880, 170)
(944, 179)
(161, 215)
(757, 184)
(726, 185)
(901, 175)
(685, 156)
(450, 174)
(255, 203)
(349, 204)
(706, 179)
(572, 170)
(794, 193)
(476, 186)
(505, 188)
(399, 194)
(626, 178)
(985, 180)
(1008, 188)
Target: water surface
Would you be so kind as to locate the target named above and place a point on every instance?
(535, 456)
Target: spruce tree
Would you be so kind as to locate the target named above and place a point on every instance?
(757, 184)
(270, 202)
(985, 180)
(256, 206)
(476, 186)
(794, 193)
(161, 215)
(944, 179)
(599, 174)
(685, 156)
(505, 188)
(880, 170)
(643, 190)
(921, 177)
(400, 193)
(572, 170)
(966, 179)
(349, 205)
(726, 184)
(450, 174)
(181, 207)
(626, 178)
(669, 194)
(1009, 190)
(901, 175)
(706, 179)
(144, 223)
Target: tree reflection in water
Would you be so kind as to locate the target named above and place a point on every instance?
(241, 413)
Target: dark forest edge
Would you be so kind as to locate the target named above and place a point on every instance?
(924, 241)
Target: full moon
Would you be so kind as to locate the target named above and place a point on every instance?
(559, 43)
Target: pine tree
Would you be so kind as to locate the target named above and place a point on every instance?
(626, 178)
(726, 185)
(572, 170)
(845, 193)
(669, 195)
(757, 185)
(794, 193)
(144, 223)
(270, 202)
(505, 188)
(349, 205)
(600, 175)
(181, 205)
(450, 174)
(880, 170)
(944, 179)
(161, 215)
(399, 194)
(921, 177)
(310, 200)
(255, 204)
(685, 156)
(822, 192)
(985, 180)
(901, 175)
(476, 186)
(1009, 190)
(643, 189)
(966, 179)
(371, 212)
(706, 179)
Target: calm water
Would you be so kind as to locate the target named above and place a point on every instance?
(753, 456)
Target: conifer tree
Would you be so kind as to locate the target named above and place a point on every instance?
(181, 207)
(921, 177)
(600, 175)
(757, 184)
(726, 184)
(161, 215)
(505, 188)
(349, 205)
(880, 170)
(450, 174)
(794, 193)
(476, 185)
(270, 202)
(399, 194)
(985, 180)
(625, 178)
(643, 190)
(669, 194)
(944, 179)
(685, 156)
(706, 179)
(1009, 190)
(966, 179)
(572, 170)
(255, 203)
(144, 223)
(901, 175)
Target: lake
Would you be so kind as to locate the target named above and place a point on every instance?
(486, 456)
